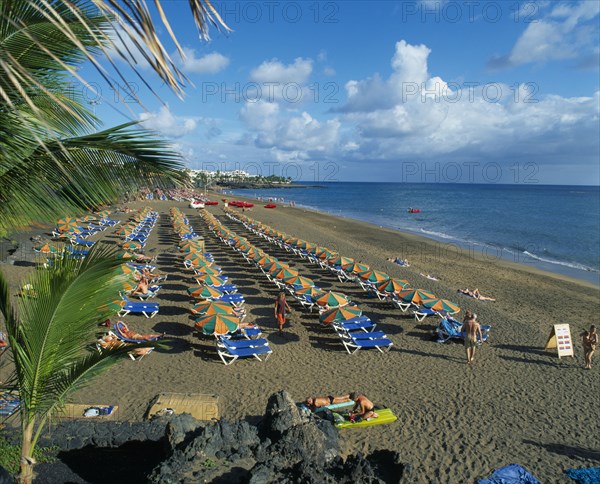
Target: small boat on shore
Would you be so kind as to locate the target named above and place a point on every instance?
(196, 204)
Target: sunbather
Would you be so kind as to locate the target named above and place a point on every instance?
(363, 409)
(141, 288)
(399, 261)
(476, 294)
(112, 341)
(429, 277)
(317, 402)
(125, 331)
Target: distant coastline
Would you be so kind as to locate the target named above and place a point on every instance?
(262, 186)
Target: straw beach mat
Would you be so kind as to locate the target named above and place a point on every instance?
(198, 405)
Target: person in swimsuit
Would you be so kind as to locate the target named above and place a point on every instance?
(363, 408)
(281, 306)
(316, 402)
(472, 331)
(590, 341)
(142, 287)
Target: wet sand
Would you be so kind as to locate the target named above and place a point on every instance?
(517, 403)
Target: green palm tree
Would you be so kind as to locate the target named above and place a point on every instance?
(50, 162)
(50, 337)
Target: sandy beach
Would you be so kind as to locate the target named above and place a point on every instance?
(456, 423)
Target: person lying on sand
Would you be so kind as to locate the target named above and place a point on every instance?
(429, 277)
(476, 294)
(317, 402)
(399, 261)
(363, 409)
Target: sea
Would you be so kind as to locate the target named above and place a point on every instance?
(553, 228)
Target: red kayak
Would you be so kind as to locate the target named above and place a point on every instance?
(270, 205)
(414, 210)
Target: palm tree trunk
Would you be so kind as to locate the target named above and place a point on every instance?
(26, 471)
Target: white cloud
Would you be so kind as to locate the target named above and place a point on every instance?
(275, 71)
(329, 71)
(274, 129)
(166, 123)
(417, 116)
(207, 64)
(563, 33)
(260, 116)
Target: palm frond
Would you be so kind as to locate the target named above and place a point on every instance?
(74, 174)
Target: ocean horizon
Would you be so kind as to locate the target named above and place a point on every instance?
(555, 228)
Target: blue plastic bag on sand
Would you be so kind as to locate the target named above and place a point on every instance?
(510, 474)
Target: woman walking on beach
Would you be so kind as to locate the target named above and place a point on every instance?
(281, 306)
(590, 341)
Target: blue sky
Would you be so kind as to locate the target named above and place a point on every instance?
(499, 92)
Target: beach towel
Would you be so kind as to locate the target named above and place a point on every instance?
(590, 475)
(510, 474)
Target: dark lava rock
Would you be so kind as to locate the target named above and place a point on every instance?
(289, 447)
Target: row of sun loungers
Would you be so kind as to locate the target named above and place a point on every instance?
(371, 287)
(447, 329)
(213, 286)
(352, 340)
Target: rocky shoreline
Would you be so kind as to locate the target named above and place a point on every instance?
(286, 446)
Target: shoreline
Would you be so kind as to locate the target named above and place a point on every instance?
(479, 249)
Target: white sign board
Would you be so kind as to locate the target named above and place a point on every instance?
(560, 338)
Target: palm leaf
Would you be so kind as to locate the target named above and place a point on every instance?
(50, 335)
(72, 175)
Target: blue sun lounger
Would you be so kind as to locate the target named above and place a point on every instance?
(421, 313)
(352, 344)
(236, 300)
(147, 309)
(364, 324)
(229, 353)
(451, 328)
(226, 288)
